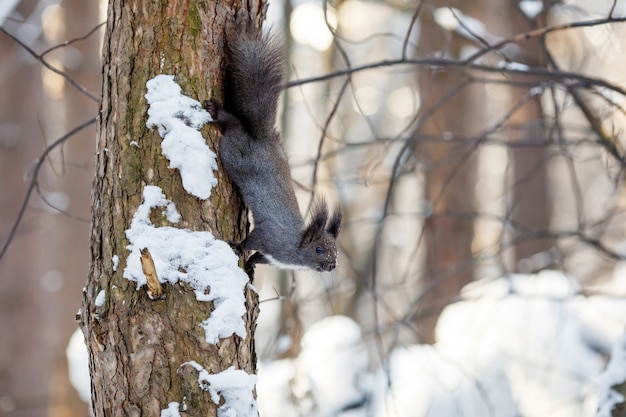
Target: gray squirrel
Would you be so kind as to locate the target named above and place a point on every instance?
(252, 154)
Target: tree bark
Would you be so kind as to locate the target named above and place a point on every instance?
(137, 345)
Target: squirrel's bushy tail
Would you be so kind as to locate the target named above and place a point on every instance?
(254, 81)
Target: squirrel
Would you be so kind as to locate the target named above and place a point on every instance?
(251, 153)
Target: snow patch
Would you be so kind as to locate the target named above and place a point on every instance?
(178, 119)
(235, 386)
(171, 410)
(535, 328)
(336, 343)
(100, 298)
(531, 8)
(329, 376)
(425, 380)
(207, 264)
(78, 365)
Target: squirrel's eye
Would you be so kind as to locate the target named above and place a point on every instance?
(319, 250)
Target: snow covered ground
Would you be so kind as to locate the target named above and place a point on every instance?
(524, 345)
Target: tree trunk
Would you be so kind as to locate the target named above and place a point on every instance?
(450, 111)
(531, 199)
(23, 364)
(138, 346)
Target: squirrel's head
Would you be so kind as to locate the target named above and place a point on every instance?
(319, 239)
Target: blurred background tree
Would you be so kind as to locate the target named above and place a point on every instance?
(45, 266)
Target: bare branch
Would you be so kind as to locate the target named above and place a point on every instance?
(71, 41)
(39, 57)
(33, 182)
(541, 32)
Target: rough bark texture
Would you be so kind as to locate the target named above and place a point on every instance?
(137, 345)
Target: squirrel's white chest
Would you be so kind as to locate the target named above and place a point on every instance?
(281, 265)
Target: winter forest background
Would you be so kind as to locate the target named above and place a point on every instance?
(477, 149)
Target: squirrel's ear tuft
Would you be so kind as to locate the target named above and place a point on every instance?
(317, 222)
(334, 226)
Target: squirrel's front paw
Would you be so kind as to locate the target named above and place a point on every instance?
(249, 268)
(211, 106)
(236, 247)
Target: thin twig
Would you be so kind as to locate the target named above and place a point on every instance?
(45, 63)
(71, 41)
(33, 182)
